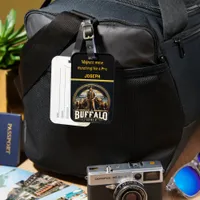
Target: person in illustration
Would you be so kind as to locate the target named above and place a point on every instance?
(91, 99)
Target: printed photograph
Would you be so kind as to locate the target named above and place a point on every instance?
(9, 176)
(35, 187)
(17, 184)
(92, 97)
(75, 195)
(70, 193)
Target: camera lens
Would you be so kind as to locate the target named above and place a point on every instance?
(130, 190)
(131, 196)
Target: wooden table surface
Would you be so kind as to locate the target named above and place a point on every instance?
(187, 155)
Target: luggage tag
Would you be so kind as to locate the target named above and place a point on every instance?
(92, 82)
(61, 92)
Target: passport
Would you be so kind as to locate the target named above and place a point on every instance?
(10, 133)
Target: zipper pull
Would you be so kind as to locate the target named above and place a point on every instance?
(180, 46)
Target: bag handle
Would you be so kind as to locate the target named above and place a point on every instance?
(173, 12)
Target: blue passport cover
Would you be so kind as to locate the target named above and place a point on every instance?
(10, 130)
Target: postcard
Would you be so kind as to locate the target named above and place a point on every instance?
(18, 184)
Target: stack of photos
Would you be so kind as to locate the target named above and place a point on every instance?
(18, 184)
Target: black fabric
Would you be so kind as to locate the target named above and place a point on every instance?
(187, 74)
(60, 32)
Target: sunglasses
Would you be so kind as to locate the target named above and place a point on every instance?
(187, 179)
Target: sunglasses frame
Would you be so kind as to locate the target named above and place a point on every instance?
(195, 164)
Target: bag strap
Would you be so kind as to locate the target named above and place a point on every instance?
(174, 16)
(47, 43)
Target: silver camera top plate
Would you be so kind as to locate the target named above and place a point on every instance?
(150, 172)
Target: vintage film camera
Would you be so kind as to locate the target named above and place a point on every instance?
(127, 181)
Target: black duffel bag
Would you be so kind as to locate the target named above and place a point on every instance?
(157, 84)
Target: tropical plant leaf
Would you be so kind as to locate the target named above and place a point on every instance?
(21, 35)
(10, 23)
(2, 57)
(16, 48)
(2, 53)
(11, 41)
(9, 60)
(1, 28)
(14, 57)
(16, 33)
(3, 66)
(3, 49)
(17, 40)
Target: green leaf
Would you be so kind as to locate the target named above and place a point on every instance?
(16, 48)
(2, 57)
(17, 53)
(1, 28)
(9, 60)
(21, 35)
(15, 58)
(17, 40)
(3, 51)
(10, 23)
(17, 33)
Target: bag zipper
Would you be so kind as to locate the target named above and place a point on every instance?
(178, 40)
(144, 71)
(179, 43)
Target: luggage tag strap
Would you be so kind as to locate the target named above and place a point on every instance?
(86, 34)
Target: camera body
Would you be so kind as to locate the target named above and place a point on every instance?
(126, 181)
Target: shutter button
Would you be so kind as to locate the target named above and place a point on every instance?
(109, 169)
(138, 176)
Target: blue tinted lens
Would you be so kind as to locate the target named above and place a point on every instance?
(198, 157)
(188, 181)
